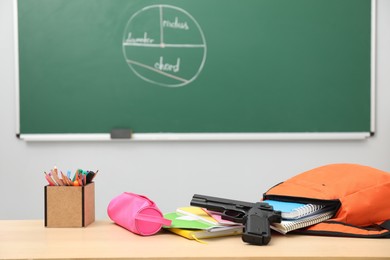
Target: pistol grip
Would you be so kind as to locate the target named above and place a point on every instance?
(257, 229)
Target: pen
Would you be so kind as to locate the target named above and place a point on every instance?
(80, 178)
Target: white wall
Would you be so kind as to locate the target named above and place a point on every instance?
(171, 172)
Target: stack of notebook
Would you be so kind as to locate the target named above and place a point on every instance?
(196, 223)
(299, 215)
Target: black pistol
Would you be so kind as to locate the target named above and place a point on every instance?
(256, 217)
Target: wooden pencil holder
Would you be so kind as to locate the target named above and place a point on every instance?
(69, 206)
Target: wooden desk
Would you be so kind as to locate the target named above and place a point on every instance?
(105, 240)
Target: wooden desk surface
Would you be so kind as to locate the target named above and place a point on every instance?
(105, 240)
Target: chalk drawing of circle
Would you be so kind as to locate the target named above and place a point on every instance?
(164, 45)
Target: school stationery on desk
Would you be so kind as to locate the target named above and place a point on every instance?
(299, 215)
(136, 213)
(187, 222)
(294, 210)
(195, 223)
(198, 214)
(205, 215)
(69, 200)
(80, 177)
(197, 234)
(286, 226)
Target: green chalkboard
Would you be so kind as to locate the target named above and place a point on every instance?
(195, 66)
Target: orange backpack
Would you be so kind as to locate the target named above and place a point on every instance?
(361, 194)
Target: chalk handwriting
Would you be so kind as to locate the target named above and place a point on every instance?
(145, 39)
(175, 24)
(160, 65)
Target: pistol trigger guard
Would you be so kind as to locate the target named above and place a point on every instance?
(233, 215)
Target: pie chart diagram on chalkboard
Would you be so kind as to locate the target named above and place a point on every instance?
(164, 45)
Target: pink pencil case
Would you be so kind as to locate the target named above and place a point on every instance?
(136, 213)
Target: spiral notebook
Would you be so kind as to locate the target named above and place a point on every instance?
(294, 210)
(290, 225)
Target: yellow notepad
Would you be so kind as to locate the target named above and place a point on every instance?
(197, 234)
(197, 213)
(186, 222)
(195, 223)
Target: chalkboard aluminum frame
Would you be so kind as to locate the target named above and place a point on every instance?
(204, 136)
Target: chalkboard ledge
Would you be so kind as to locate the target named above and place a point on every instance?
(197, 136)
